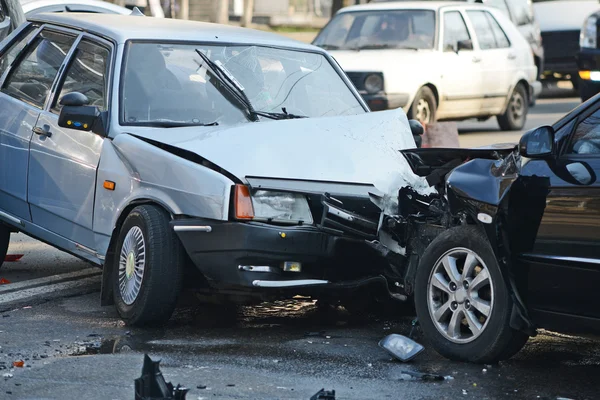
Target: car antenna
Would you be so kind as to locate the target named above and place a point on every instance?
(137, 13)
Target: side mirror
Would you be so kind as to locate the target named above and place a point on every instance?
(537, 143)
(77, 114)
(464, 45)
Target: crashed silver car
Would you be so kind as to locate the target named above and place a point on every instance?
(187, 155)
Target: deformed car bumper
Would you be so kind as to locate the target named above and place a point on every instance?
(251, 256)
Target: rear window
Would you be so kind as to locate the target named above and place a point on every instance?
(411, 29)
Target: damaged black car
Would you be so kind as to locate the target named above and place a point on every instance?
(505, 243)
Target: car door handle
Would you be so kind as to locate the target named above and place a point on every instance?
(512, 56)
(42, 130)
(476, 59)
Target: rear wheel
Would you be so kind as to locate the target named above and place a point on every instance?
(424, 106)
(4, 241)
(149, 267)
(462, 302)
(515, 115)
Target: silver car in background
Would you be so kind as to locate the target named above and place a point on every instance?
(181, 154)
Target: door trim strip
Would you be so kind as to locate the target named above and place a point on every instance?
(563, 258)
(11, 218)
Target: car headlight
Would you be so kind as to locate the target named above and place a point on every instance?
(271, 206)
(589, 33)
(374, 83)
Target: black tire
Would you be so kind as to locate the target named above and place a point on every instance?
(162, 276)
(424, 94)
(515, 116)
(4, 241)
(497, 340)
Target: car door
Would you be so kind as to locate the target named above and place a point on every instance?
(63, 162)
(564, 273)
(462, 86)
(18, 115)
(498, 61)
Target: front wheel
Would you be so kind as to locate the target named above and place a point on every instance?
(462, 302)
(424, 106)
(515, 115)
(4, 241)
(149, 267)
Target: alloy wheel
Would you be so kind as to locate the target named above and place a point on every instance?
(423, 113)
(517, 106)
(460, 295)
(132, 262)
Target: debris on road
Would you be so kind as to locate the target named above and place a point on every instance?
(4, 281)
(19, 364)
(324, 395)
(420, 376)
(401, 347)
(152, 384)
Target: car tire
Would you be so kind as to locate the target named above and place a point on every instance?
(149, 265)
(424, 106)
(515, 116)
(4, 241)
(491, 339)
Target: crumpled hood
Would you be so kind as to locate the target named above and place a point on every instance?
(350, 149)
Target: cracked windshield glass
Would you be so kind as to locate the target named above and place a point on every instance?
(172, 84)
(412, 29)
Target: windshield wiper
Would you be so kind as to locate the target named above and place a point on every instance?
(281, 115)
(231, 85)
(178, 124)
(384, 46)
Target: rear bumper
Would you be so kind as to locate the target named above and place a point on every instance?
(589, 60)
(250, 256)
(535, 89)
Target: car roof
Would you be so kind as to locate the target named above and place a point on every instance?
(32, 5)
(404, 5)
(125, 27)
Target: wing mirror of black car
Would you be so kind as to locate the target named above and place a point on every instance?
(464, 45)
(417, 131)
(537, 143)
(77, 114)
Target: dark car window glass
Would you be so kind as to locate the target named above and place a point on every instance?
(379, 29)
(586, 138)
(501, 38)
(7, 59)
(483, 30)
(455, 30)
(87, 75)
(32, 79)
(521, 11)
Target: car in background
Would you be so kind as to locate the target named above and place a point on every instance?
(521, 14)
(32, 7)
(560, 22)
(588, 59)
(436, 60)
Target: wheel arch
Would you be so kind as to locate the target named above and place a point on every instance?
(521, 81)
(436, 94)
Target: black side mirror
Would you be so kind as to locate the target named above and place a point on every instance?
(537, 143)
(464, 45)
(77, 114)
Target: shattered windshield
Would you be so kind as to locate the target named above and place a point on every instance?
(403, 29)
(172, 85)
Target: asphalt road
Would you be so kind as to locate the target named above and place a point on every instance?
(75, 349)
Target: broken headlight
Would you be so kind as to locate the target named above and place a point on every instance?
(281, 207)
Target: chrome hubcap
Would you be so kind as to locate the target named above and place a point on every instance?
(132, 262)
(517, 106)
(460, 296)
(423, 113)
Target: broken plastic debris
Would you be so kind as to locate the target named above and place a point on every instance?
(152, 384)
(464, 391)
(7, 376)
(401, 347)
(4, 281)
(423, 376)
(201, 387)
(324, 395)
(19, 364)
(13, 257)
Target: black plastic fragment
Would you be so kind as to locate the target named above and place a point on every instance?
(152, 385)
(324, 395)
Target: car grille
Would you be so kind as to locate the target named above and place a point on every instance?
(560, 47)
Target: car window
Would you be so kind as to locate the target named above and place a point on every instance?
(32, 79)
(522, 11)
(483, 30)
(87, 74)
(7, 58)
(502, 41)
(379, 29)
(586, 138)
(455, 30)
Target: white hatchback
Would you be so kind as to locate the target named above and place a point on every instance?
(437, 60)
